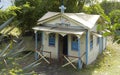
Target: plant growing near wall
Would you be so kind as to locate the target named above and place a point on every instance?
(10, 54)
(115, 27)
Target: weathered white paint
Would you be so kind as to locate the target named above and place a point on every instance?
(92, 54)
(82, 47)
(104, 42)
(58, 20)
(52, 49)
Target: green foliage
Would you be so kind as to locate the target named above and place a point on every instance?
(32, 10)
(113, 12)
(109, 6)
(9, 58)
(104, 21)
(109, 24)
(96, 9)
(115, 16)
(74, 6)
(5, 15)
(115, 27)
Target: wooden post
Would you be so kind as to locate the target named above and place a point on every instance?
(79, 60)
(100, 44)
(42, 40)
(36, 45)
(86, 47)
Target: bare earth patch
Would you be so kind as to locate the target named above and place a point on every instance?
(107, 63)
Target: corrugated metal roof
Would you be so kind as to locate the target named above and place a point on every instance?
(82, 18)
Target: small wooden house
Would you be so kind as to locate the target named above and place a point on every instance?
(71, 34)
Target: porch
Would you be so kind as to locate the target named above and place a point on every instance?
(62, 48)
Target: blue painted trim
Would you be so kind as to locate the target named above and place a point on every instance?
(36, 41)
(36, 45)
(101, 45)
(105, 42)
(42, 40)
(79, 61)
(74, 45)
(87, 47)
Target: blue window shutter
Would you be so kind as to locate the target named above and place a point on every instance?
(91, 44)
(74, 43)
(52, 39)
(97, 40)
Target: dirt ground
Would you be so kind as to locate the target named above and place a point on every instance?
(108, 63)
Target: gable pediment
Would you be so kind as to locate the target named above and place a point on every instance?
(73, 19)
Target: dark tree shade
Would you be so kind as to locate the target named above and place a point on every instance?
(30, 15)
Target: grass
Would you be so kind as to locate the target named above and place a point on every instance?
(107, 63)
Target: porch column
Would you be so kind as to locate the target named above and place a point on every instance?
(36, 45)
(100, 44)
(86, 47)
(42, 40)
(79, 61)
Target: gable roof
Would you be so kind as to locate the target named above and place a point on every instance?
(48, 15)
(86, 20)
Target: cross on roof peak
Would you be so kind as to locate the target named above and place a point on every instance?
(62, 8)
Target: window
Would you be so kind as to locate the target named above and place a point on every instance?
(74, 43)
(52, 39)
(98, 40)
(91, 41)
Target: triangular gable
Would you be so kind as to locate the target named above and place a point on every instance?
(87, 21)
(47, 16)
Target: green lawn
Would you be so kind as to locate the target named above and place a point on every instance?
(107, 63)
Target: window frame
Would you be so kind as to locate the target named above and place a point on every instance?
(52, 39)
(91, 42)
(74, 43)
(98, 40)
